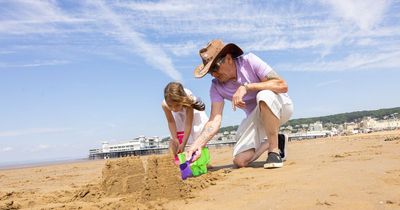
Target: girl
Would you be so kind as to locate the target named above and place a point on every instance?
(185, 115)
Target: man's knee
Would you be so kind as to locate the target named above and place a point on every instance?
(266, 95)
(240, 162)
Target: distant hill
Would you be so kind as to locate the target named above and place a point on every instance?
(346, 117)
(336, 118)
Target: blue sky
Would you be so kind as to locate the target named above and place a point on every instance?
(76, 73)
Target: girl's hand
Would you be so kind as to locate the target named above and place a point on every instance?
(175, 142)
(181, 148)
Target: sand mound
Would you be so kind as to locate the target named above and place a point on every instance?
(163, 180)
(123, 176)
(126, 183)
(147, 179)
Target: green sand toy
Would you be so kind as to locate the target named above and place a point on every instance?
(199, 166)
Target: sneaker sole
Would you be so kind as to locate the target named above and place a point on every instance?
(273, 165)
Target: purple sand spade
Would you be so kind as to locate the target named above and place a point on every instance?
(185, 170)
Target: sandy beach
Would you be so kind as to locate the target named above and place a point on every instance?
(349, 172)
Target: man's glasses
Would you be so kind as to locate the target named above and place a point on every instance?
(216, 66)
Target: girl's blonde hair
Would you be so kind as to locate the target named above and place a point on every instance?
(175, 93)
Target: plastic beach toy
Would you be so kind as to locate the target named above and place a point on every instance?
(196, 168)
(185, 170)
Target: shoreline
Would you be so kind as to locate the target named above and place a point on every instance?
(24, 164)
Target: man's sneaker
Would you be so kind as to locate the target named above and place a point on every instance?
(282, 145)
(274, 160)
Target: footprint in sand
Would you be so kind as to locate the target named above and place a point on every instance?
(324, 203)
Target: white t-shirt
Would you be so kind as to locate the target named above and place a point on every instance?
(200, 118)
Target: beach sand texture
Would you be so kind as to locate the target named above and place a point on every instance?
(348, 172)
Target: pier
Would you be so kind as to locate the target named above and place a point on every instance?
(127, 150)
(126, 153)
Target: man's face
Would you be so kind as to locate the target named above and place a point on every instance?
(221, 70)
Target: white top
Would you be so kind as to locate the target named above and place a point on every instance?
(200, 118)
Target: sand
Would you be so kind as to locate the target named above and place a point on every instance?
(350, 172)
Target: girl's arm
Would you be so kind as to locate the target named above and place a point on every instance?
(188, 126)
(171, 121)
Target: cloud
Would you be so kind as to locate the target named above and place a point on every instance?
(183, 49)
(39, 148)
(35, 17)
(326, 83)
(163, 6)
(364, 13)
(31, 131)
(380, 61)
(111, 125)
(7, 149)
(35, 64)
(153, 54)
(43, 146)
(158, 31)
(4, 52)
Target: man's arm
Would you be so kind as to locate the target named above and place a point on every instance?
(210, 129)
(272, 81)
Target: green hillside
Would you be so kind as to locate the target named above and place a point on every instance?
(346, 117)
(337, 118)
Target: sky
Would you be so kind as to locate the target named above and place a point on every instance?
(76, 73)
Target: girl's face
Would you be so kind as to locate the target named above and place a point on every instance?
(174, 106)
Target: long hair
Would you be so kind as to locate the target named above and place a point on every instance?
(175, 93)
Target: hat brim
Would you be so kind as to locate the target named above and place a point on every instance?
(230, 48)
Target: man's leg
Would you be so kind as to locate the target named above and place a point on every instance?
(244, 158)
(271, 126)
(263, 119)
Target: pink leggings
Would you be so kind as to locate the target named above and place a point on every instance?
(180, 135)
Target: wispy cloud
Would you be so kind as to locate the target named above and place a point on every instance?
(39, 147)
(43, 146)
(126, 34)
(327, 83)
(328, 30)
(6, 149)
(35, 64)
(366, 14)
(4, 52)
(379, 61)
(183, 49)
(35, 17)
(31, 131)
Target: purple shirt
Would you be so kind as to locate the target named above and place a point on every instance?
(250, 69)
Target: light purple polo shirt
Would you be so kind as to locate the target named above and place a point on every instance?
(250, 69)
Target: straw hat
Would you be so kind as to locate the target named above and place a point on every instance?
(212, 52)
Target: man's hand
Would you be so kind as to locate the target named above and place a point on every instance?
(195, 151)
(237, 99)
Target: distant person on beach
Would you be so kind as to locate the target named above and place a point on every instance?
(253, 86)
(185, 115)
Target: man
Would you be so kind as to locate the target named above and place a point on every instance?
(253, 86)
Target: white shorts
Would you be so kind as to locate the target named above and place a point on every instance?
(251, 133)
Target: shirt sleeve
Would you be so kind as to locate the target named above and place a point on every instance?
(214, 94)
(260, 68)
